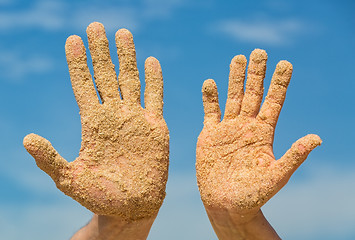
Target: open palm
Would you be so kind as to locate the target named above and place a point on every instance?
(122, 166)
(236, 167)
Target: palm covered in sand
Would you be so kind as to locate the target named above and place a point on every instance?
(122, 166)
(236, 168)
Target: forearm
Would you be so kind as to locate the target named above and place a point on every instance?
(231, 226)
(107, 228)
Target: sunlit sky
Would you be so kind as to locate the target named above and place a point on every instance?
(194, 40)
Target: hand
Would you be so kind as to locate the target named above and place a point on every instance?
(122, 167)
(236, 167)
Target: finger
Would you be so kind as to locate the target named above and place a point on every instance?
(210, 103)
(104, 70)
(254, 86)
(47, 158)
(276, 95)
(297, 154)
(83, 87)
(153, 95)
(128, 78)
(236, 85)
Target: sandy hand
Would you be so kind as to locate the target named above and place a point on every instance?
(122, 167)
(236, 167)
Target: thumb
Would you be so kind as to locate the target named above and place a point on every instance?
(47, 158)
(298, 153)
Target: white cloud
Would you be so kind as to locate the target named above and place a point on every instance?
(161, 8)
(58, 15)
(320, 207)
(265, 31)
(42, 221)
(15, 65)
(43, 14)
(112, 18)
(5, 2)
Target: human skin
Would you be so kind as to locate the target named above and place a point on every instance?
(237, 172)
(122, 168)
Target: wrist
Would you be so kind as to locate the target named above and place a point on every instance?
(229, 224)
(237, 217)
(109, 227)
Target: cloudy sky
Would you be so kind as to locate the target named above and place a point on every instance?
(194, 40)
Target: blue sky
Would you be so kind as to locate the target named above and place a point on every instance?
(194, 40)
